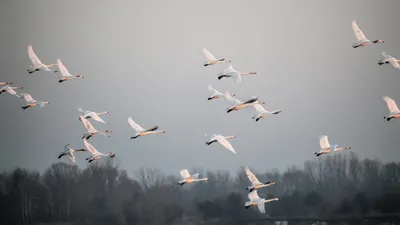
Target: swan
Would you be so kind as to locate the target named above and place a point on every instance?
(394, 111)
(95, 154)
(142, 132)
(223, 141)
(31, 102)
(4, 83)
(91, 131)
(326, 147)
(216, 94)
(93, 115)
(361, 39)
(238, 105)
(64, 72)
(211, 59)
(232, 73)
(256, 200)
(261, 112)
(187, 178)
(10, 90)
(389, 59)
(68, 151)
(255, 183)
(36, 64)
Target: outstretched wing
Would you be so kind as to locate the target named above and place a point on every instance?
(357, 31)
(261, 206)
(225, 143)
(253, 179)
(33, 58)
(323, 142)
(391, 104)
(87, 124)
(90, 148)
(27, 97)
(185, 173)
(213, 91)
(259, 108)
(208, 55)
(71, 157)
(385, 55)
(195, 176)
(64, 72)
(9, 90)
(135, 126)
(233, 101)
(253, 196)
(96, 117)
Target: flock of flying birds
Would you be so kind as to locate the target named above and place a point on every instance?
(236, 105)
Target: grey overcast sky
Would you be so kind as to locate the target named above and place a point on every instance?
(144, 59)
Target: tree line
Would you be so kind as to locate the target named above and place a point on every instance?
(102, 193)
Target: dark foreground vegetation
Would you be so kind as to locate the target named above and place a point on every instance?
(102, 194)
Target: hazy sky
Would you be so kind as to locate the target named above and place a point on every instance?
(143, 59)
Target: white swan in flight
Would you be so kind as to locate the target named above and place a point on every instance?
(255, 183)
(232, 73)
(394, 111)
(31, 102)
(142, 132)
(361, 39)
(4, 83)
(64, 72)
(36, 64)
(95, 154)
(389, 59)
(326, 147)
(10, 90)
(223, 141)
(211, 59)
(68, 151)
(238, 105)
(93, 115)
(216, 94)
(262, 113)
(187, 178)
(257, 201)
(91, 131)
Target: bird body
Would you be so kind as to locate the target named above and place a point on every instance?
(31, 102)
(255, 183)
(361, 39)
(394, 111)
(238, 105)
(96, 155)
(65, 74)
(91, 130)
(262, 113)
(223, 141)
(230, 72)
(68, 151)
(255, 200)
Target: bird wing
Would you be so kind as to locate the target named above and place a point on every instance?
(253, 196)
(71, 157)
(90, 148)
(225, 143)
(208, 55)
(152, 129)
(391, 104)
(213, 91)
(195, 176)
(28, 98)
(261, 206)
(259, 108)
(394, 63)
(87, 124)
(231, 99)
(323, 142)
(64, 72)
(357, 31)
(253, 179)
(96, 117)
(385, 55)
(9, 90)
(33, 57)
(135, 126)
(185, 173)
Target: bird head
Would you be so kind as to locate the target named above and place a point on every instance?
(80, 76)
(108, 131)
(111, 154)
(233, 95)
